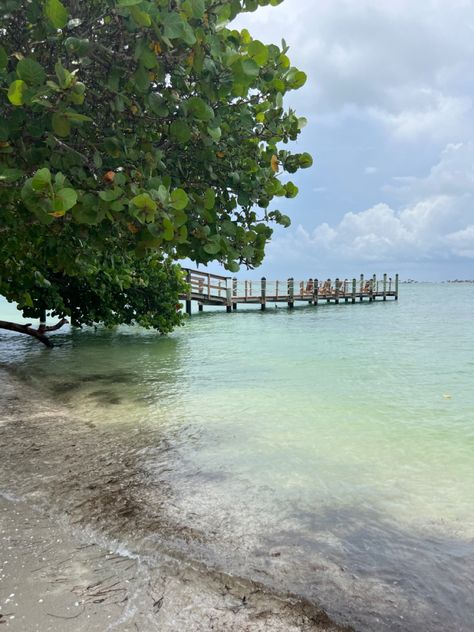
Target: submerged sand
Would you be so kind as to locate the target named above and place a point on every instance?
(59, 577)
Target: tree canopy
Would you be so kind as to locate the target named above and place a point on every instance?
(133, 134)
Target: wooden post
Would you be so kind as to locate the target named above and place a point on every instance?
(361, 297)
(396, 287)
(336, 290)
(228, 292)
(234, 292)
(385, 286)
(354, 290)
(291, 292)
(246, 289)
(188, 296)
(315, 292)
(277, 284)
(42, 319)
(263, 293)
(389, 285)
(310, 288)
(374, 287)
(329, 285)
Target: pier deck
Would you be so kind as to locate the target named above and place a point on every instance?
(213, 289)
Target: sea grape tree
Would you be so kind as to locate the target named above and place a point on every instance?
(135, 133)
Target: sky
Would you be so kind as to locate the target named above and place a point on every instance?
(389, 103)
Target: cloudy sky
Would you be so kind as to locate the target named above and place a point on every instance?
(390, 126)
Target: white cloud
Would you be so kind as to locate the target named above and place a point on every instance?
(462, 242)
(404, 64)
(438, 223)
(389, 84)
(434, 115)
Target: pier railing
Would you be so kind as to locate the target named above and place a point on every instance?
(214, 289)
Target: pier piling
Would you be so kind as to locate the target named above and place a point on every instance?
(213, 289)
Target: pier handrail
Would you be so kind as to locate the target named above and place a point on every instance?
(216, 289)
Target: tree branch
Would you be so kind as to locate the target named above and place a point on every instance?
(30, 331)
(55, 327)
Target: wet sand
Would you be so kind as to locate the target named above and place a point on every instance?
(59, 577)
(51, 582)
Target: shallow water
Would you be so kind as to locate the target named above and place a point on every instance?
(327, 452)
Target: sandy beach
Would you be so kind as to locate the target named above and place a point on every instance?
(51, 582)
(56, 577)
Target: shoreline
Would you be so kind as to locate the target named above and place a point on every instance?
(49, 579)
(55, 576)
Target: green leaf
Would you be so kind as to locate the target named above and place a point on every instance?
(168, 232)
(302, 122)
(148, 58)
(180, 131)
(232, 266)
(258, 52)
(158, 105)
(30, 71)
(16, 92)
(179, 199)
(56, 12)
(250, 68)
(209, 199)
(144, 202)
(67, 197)
(305, 160)
(176, 27)
(199, 109)
(128, 3)
(296, 78)
(10, 175)
(3, 58)
(111, 194)
(41, 180)
(65, 78)
(212, 248)
(76, 117)
(97, 158)
(199, 8)
(291, 190)
(27, 300)
(141, 18)
(77, 46)
(61, 124)
(215, 133)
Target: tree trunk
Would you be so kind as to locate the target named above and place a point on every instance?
(39, 333)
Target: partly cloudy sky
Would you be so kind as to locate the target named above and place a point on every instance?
(389, 102)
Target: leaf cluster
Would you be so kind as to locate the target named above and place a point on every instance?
(134, 133)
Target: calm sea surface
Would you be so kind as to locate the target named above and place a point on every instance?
(324, 451)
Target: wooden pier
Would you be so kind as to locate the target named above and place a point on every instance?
(229, 292)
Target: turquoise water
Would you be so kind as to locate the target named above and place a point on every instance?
(325, 451)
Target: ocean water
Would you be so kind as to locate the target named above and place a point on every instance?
(327, 452)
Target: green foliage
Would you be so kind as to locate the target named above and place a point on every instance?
(134, 133)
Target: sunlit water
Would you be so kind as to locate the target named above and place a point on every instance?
(324, 451)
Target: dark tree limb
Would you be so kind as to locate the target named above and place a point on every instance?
(43, 328)
(39, 333)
